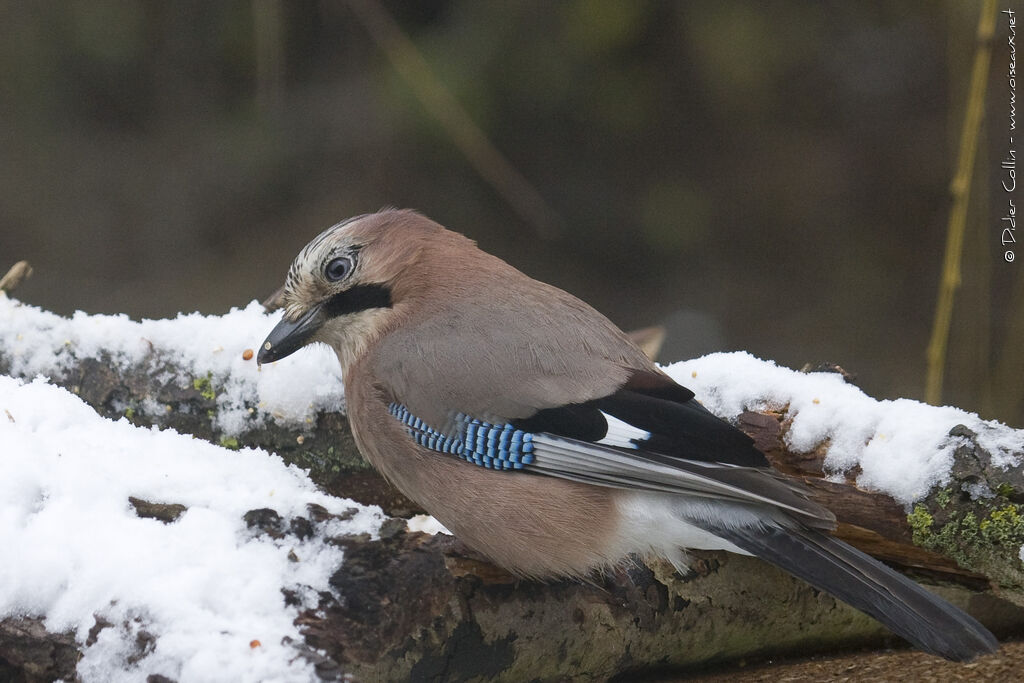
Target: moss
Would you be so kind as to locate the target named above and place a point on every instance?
(204, 386)
(229, 442)
(921, 522)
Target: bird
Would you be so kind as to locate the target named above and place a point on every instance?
(531, 427)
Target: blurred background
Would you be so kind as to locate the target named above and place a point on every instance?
(765, 176)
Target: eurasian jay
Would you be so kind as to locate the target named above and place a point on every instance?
(530, 426)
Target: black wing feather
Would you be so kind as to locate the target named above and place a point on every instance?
(582, 421)
(678, 424)
(683, 429)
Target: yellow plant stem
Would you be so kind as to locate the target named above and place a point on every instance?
(961, 192)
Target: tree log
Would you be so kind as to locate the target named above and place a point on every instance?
(423, 608)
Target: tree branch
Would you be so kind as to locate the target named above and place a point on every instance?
(422, 607)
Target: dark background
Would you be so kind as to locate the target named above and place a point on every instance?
(767, 176)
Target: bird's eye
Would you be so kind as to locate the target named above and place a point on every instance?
(338, 268)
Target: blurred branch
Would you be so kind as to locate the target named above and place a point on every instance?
(474, 144)
(18, 273)
(649, 339)
(960, 189)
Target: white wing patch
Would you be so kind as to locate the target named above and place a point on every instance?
(621, 433)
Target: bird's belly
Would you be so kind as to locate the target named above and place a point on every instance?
(554, 527)
(531, 525)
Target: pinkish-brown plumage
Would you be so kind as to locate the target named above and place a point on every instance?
(533, 526)
(457, 365)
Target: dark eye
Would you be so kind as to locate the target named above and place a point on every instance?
(338, 268)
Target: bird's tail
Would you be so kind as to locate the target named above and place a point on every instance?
(907, 609)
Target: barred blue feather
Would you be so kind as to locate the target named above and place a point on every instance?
(499, 447)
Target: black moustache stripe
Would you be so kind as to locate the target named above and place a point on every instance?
(358, 298)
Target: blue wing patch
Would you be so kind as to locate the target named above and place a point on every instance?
(498, 447)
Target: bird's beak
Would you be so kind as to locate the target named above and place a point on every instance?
(290, 335)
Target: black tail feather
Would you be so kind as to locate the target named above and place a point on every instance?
(907, 609)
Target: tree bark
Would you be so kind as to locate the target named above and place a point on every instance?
(423, 608)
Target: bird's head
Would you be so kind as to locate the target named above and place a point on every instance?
(343, 286)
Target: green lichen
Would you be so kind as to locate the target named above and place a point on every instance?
(942, 497)
(921, 521)
(954, 538)
(204, 386)
(229, 442)
(983, 535)
(1004, 526)
(130, 413)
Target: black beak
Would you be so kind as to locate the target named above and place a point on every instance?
(290, 336)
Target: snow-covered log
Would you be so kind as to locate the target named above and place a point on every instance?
(198, 375)
(156, 553)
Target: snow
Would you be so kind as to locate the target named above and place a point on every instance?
(204, 587)
(290, 391)
(426, 524)
(903, 447)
